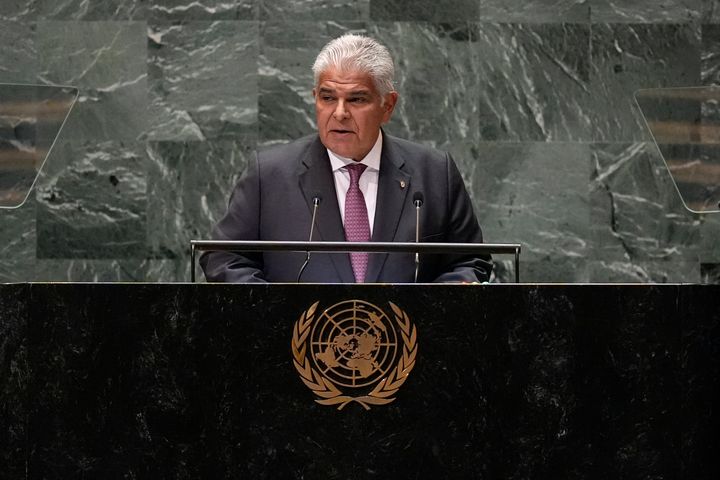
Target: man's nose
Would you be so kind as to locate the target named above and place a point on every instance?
(340, 112)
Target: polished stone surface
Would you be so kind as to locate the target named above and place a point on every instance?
(92, 201)
(188, 381)
(203, 80)
(628, 57)
(646, 11)
(533, 98)
(178, 171)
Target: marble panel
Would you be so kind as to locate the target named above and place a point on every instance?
(191, 184)
(88, 9)
(536, 195)
(424, 10)
(71, 270)
(14, 374)
(640, 271)
(169, 271)
(17, 10)
(108, 271)
(533, 82)
(637, 215)
(626, 58)
(203, 79)
(434, 76)
(548, 270)
(92, 202)
(287, 51)
(17, 242)
(645, 11)
(535, 11)
(710, 11)
(107, 62)
(709, 235)
(710, 55)
(203, 10)
(710, 273)
(307, 10)
(19, 56)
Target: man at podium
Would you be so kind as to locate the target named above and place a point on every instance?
(364, 185)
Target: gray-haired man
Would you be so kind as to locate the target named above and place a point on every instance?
(366, 180)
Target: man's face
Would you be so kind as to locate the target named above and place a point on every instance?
(350, 112)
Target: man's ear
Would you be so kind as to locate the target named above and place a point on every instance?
(314, 92)
(389, 105)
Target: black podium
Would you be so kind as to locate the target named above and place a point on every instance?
(507, 381)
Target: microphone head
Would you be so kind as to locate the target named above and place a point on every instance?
(316, 199)
(418, 199)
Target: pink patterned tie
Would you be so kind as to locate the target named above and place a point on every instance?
(357, 226)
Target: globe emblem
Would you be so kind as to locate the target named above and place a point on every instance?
(353, 344)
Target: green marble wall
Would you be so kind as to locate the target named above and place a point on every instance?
(533, 98)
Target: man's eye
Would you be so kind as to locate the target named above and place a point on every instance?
(358, 100)
(326, 98)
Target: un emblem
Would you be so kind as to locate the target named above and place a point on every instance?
(354, 352)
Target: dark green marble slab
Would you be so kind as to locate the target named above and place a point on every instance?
(537, 196)
(18, 64)
(288, 11)
(535, 11)
(107, 62)
(534, 82)
(18, 243)
(435, 79)
(632, 195)
(646, 11)
(710, 11)
(630, 57)
(189, 182)
(471, 74)
(203, 80)
(92, 201)
(710, 63)
(94, 10)
(204, 10)
(424, 10)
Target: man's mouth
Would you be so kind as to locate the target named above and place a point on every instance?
(341, 131)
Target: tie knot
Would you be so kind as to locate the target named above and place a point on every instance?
(356, 170)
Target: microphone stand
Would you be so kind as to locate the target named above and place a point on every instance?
(316, 202)
(418, 201)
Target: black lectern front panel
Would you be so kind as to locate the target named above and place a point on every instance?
(368, 381)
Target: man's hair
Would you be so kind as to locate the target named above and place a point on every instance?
(358, 53)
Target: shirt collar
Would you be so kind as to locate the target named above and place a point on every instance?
(372, 159)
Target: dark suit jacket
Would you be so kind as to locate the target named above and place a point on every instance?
(273, 201)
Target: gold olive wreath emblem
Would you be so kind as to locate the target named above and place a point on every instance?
(354, 347)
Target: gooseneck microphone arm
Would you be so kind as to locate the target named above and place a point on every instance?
(417, 201)
(316, 203)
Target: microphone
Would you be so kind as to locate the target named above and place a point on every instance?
(317, 198)
(418, 200)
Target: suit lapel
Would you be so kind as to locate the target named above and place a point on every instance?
(393, 187)
(316, 178)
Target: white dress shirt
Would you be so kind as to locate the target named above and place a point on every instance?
(368, 180)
